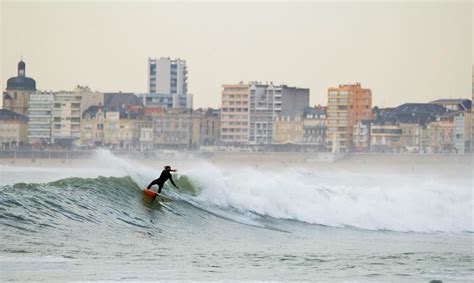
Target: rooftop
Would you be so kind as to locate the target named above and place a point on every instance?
(6, 114)
(465, 104)
(127, 104)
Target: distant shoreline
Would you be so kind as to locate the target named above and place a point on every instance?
(35, 158)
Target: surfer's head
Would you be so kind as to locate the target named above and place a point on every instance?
(168, 168)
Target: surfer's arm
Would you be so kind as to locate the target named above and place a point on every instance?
(172, 182)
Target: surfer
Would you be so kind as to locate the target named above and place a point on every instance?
(165, 176)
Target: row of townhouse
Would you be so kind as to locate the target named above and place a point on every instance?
(417, 127)
(149, 128)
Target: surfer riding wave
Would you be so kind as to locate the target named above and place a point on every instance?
(164, 176)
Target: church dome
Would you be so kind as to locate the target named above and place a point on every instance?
(21, 82)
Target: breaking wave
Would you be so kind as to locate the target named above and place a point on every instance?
(395, 202)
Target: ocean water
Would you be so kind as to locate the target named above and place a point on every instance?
(236, 222)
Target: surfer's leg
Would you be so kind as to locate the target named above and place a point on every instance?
(160, 187)
(151, 184)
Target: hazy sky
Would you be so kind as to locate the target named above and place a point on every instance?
(404, 52)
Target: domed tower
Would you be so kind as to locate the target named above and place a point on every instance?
(19, 89)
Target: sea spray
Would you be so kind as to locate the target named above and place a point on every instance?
(398, 202)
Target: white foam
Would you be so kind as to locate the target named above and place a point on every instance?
(397, 202)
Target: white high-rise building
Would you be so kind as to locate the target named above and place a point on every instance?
(39, 114)
(248, 110)
(269, 101)
(66, 116)
(168, 77)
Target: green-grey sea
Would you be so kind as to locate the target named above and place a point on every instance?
(235, 223)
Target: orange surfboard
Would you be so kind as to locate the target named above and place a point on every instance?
(150, 193)
(153, 194)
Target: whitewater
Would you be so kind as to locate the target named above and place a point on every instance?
(234, 221)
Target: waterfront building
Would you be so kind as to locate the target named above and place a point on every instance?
(248, 110)
(307, 128)
(173, 128)
(288, 129)
(67, 110)
(361, 136)
(436, 125)
(66, 118)
(206, 127)
(210, 127)
(347, 105)
(401, 128)
(385, 136)
(92, 126)
(88, 97)
(120, 132)
(13, 129)
(146, 128)
(462, 132)
(178, 128)
(410, 137)
(314, 127)
(40, 118)
(168, 77)
(262, 109)
(268, 101)
(235, 114)
(196, 127)
(115, 124)
(438, 135)
(392, 135)
(18, 91)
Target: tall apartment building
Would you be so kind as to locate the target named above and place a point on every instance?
(66, 115)
(262, 109)
(270, 101)
(40, 118)
(169, 78)
(347, 105)
(18, 91)
(248, 110)
(235, 113)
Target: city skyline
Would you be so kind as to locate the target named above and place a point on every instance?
(296, 44)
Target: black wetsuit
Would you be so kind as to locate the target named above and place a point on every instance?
(165, 175)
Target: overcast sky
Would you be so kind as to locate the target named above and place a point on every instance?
(404, 52)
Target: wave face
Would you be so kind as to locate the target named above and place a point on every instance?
(30, 207)
(396, 202)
